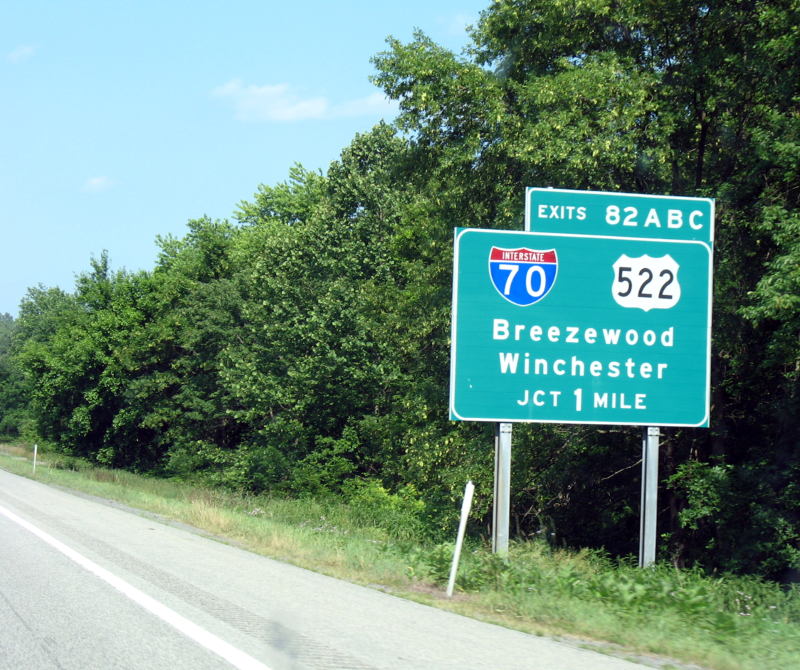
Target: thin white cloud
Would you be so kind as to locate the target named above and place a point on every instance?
(376, 104)
(280, 103)
(457, 25)
(21, 53)
(269, 103)
(97, 184)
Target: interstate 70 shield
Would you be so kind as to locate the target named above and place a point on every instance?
(523, 276)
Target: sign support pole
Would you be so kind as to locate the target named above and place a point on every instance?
(502, 488)
(649, 509)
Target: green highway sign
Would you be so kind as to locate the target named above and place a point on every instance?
(560, 211)
(584, 328)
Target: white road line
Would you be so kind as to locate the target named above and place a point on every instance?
(204, 638)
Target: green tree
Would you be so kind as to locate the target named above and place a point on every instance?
(173, 397)
(13, 401)
(682, 97)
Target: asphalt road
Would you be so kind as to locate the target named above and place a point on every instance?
(87, 585)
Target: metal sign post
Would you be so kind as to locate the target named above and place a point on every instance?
(649, 509)
(502, 488)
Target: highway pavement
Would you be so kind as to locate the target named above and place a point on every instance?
(89, 585)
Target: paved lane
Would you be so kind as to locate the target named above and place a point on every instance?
(56, 614)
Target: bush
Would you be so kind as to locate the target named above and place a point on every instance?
(399, 513)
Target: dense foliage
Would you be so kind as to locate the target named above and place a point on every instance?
(304, 346)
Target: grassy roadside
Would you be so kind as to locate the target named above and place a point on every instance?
(725, 623)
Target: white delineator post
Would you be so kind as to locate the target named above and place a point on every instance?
(35, 452)
(462, 527)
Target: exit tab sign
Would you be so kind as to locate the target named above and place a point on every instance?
(561, 211)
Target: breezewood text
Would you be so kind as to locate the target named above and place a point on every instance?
(515, 362)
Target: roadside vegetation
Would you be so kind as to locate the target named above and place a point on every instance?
(301, 348)
(660, 615)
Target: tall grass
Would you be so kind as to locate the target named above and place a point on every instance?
(726, 622)
(373, 537)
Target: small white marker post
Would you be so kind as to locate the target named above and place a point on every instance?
(35, 450)
(462, 527)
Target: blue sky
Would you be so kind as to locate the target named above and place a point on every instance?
(122, 120)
